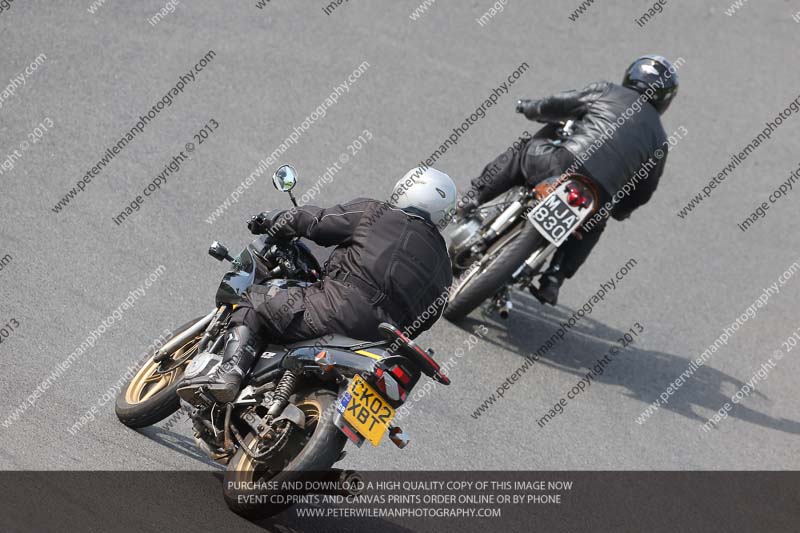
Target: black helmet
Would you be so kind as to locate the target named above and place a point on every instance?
(657, 74)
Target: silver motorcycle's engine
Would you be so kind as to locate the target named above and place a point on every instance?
(461, 234)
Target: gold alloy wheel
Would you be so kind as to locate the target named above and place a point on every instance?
(148, 381)
(312, 410)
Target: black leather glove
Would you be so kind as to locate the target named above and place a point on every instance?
(529, 108)
(259, 224)
(466, 208)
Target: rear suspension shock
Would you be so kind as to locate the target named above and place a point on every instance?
(282, 392)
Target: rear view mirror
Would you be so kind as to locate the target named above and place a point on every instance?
(285, 178)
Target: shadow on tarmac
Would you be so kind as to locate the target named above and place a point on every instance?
(644, 373)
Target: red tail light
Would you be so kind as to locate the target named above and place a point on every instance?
(576, 199)
(397, 371)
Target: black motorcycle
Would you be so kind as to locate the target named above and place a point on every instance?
(299, 404)
(505, 244)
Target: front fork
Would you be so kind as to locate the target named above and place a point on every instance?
(213, 330)
(209, 325)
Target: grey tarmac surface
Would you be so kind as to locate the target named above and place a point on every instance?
(273, 67)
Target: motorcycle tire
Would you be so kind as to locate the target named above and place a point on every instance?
(146, 398)
(309, 452)
(507, 255)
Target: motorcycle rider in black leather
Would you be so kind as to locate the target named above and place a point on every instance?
(390, 264)
(603, 113)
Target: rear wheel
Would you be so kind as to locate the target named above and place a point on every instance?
(151, 394)
(313, 449)
(502, 259)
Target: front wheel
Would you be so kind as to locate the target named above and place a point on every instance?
(151, 394)
(313, 449)
(502, 259)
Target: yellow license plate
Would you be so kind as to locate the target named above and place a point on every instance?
(366, 410)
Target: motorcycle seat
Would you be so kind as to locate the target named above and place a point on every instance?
(336, 341)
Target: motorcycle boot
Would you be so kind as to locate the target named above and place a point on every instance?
(549, 285)
(224, 383)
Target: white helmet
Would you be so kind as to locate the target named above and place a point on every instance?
(428, 190)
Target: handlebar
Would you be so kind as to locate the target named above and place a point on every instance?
(526, 107)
